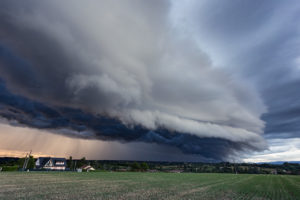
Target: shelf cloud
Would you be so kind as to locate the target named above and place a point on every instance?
(131, 71)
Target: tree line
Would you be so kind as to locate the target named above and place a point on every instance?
(14, 164)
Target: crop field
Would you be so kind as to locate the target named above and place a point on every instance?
(134, 185)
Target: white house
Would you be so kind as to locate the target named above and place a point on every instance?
(49, 163)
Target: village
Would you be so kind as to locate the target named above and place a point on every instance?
(29, 163)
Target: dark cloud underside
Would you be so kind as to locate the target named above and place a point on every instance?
(76, 123)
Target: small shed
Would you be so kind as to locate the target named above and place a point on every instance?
(88, 168)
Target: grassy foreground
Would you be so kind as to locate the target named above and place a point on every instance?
(117, 185)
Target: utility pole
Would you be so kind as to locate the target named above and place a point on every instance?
(23, 168)
(26, 160)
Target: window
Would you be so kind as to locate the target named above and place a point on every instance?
(60, 163)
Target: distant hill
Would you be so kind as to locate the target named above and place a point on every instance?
(279, 162)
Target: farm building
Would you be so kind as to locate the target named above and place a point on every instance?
(87, 168)
(49, 163)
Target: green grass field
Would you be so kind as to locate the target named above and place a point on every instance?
(127, 185)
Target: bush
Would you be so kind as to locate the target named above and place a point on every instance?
(10, 168)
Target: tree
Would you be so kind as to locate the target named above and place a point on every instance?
(30, 164)
(81, 162)
(20, 162)
(135, 166)
(144, 166)
(70, 162)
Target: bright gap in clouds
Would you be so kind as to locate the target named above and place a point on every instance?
(280, 150)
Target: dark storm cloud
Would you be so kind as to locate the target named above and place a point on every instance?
(122, 71)
(76, 123)
(283, 119)
(259, 42)
(274, 67)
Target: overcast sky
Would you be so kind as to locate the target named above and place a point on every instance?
(155, 80)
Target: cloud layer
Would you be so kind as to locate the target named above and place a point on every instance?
(158, 71)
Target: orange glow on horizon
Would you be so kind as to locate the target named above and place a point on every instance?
(17, 141)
